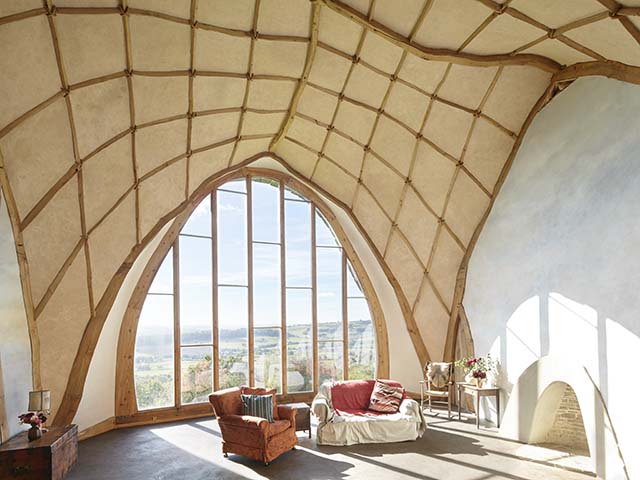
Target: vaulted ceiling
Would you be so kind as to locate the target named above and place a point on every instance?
(406, 112)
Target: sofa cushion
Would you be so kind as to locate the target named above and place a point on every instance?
(386, 398)
(258, 406)
(355, 394)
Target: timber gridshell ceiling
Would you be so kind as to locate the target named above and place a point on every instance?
(406, 112)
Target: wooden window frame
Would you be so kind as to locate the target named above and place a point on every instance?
(127, 411)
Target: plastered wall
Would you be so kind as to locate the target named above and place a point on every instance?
(15, 349)
(556, 271)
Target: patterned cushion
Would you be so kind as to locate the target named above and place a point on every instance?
(258, 406)
(385, 398)
(439, 374)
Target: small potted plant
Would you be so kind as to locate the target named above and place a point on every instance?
(476, 369)
(36, 420)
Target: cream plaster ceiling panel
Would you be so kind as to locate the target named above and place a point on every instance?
(27, 67)
(113, 238)
(91, 45)
(106, 177)
(412, 146)
(100, 112)
(34, 167)
(157, 98)
(449, 24)
(160, 143)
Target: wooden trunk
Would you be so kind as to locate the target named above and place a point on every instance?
(50, 457)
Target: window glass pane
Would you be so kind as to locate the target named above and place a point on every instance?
(266, 210)
(239, 185)
(324, 234)
(266, 285)
(232, 324)
(298, 243)
(196, 374)
(163, 281)
(353, 285)
(199, 222)
(362, 344)
(153, 361)
(232, 238)
(196, 311)
(329, 273)
(268, 358)
(299, 341)
(330, 362)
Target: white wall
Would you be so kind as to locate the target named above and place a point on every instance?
(15, 347)
(556, 270)
(98, 397)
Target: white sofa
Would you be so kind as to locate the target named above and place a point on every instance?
(344, 428)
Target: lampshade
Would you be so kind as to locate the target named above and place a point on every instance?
(39, 401)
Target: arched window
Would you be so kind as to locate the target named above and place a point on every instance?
(256, 284)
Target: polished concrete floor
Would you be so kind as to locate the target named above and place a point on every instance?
(191, 451)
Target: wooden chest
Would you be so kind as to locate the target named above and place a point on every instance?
(303, 417)
(49, 457)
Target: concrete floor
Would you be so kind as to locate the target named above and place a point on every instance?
(191, 450)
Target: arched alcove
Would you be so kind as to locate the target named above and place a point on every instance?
(534, 400)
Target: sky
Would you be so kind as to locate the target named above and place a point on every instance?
(196, 265)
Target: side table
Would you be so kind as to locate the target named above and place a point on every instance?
(49, 457)
(478, 392)
(303, 417)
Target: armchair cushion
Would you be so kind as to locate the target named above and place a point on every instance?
(226, 402)
(258, 406)
(262, 391)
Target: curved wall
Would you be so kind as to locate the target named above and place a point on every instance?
(15, 347)
(556, 270)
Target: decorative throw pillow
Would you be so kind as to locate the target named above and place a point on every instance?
(385, 398)
(258, 406)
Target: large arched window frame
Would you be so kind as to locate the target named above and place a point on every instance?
(357, 291)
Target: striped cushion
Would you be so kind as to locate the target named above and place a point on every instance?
(258, 406)
(385, 398)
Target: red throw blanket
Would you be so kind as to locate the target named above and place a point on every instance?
(352, 397)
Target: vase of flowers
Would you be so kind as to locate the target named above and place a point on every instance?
(476, 369)
(36, 420)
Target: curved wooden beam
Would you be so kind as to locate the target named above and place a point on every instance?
(311, 54)
(609, 69)
(440, 54)
(75, 385)
(461, 278)
(126, 404)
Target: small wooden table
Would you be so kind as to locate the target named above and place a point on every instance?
(303, 417)
(49, 457)
(478, 392)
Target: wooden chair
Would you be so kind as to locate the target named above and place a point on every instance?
(438, 383)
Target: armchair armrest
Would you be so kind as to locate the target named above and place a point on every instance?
(285, 412)
(245, 421)
(321, 409)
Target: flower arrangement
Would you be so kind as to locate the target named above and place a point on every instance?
(476, 367)
(35, 419)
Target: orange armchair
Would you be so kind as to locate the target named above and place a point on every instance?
(253, 437)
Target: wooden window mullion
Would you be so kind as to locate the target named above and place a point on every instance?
(250, 281)
(283, 293)
(214, 284)
(345, 318)
(314, 299)
(176, 323)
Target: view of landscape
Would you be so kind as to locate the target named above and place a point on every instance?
(194, 249)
